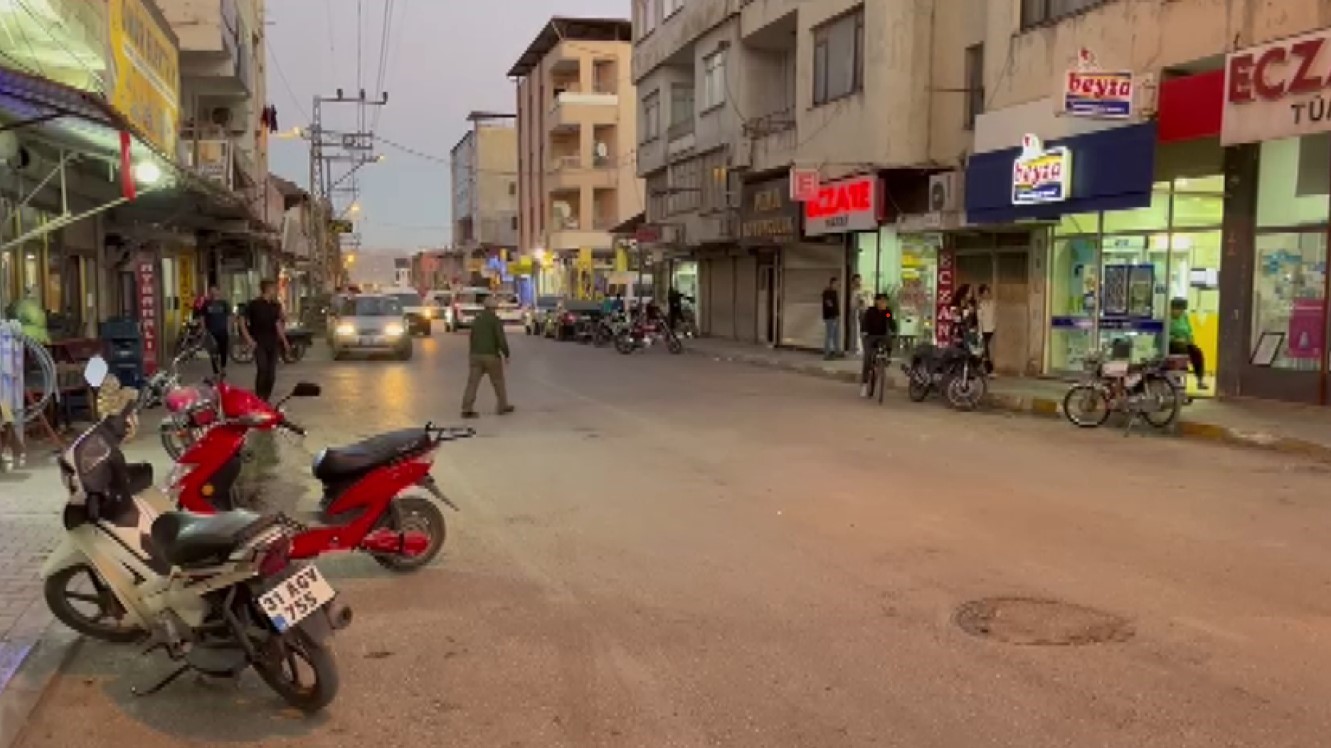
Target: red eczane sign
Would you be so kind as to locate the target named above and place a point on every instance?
(848, 205)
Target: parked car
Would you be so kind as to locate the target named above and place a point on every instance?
(370, 323)
(418, 313)
(537, 317)
(575, 320)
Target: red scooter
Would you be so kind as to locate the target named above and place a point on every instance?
(367, 504)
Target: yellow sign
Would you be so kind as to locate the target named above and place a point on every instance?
(145, 65)
(585, 260)
(621, 260)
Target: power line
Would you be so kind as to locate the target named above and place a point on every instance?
(272, 54)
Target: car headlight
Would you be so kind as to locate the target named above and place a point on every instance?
(345, 329)
(393, 330)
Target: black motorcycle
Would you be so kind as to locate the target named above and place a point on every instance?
(957, 371)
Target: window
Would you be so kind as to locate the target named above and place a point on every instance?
(656, 196)
(514, 223)
(672, 7)
(715, 177)
(645, 15)
(651, 116)
(974, 84)
(681, 109)
(1288, 301)
(512, 188)
(1038, 12)
(838, 58)
(714, 80)
(685, 189)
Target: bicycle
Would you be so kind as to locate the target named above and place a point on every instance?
(882, 354)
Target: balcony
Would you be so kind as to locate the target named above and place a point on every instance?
(774, 139)
(573, 174)
(216, 50)
(574, 109)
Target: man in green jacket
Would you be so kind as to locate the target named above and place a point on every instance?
(489, 352)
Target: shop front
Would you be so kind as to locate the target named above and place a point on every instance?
(1134, 230)
(741, 289)
(850, 211)
(1278, 165)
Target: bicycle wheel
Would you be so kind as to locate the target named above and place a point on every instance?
(880, 378)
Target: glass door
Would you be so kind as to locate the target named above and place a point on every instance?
(1074, 291)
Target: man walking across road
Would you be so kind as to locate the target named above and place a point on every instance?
(831, 319)
(489, 352)
(263, 330)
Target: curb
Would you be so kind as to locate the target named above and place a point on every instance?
(1035, 405)
(40, 660)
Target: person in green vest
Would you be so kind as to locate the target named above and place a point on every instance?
(1181, 341)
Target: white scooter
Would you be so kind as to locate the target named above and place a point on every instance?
(218, 592)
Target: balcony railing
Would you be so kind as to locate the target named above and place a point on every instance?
(576, 163)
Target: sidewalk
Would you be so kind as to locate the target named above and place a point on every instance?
(1292, 429)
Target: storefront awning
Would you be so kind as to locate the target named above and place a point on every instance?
(82, 134)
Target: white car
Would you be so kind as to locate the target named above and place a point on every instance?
(442, 303)
(468, 302)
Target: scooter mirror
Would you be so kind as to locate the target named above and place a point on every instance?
(96, 371)
(306, 389)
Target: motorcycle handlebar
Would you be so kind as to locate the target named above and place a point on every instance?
(449, 433)
(294, 428)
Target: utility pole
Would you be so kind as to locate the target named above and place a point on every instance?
(345, 151)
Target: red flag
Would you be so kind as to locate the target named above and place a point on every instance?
(126, 168)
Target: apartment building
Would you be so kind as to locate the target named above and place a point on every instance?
(484, 179)
(1161, 189)
(577, 131)
(735, 94)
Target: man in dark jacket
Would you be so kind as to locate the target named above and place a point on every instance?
(264, 330)
(879, 326)
(831, 319)
(489, 352)
(215, 312)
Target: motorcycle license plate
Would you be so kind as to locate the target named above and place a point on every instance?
(296, 597)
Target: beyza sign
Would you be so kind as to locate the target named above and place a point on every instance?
(1278, 90)
(1041, 175)
(840, 207)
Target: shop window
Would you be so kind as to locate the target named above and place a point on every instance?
(1294, 179)
(1199, 202)
(1154, 217)
(917, 295)
(1040, 12)
(1073, 289)
(1289, 303)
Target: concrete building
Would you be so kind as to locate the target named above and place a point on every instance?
(577, 132)
(484, 166)
(733, 94)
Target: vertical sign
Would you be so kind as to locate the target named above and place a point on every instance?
(147, 279)
(947, 279)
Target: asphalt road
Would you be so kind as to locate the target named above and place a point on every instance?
(670, 551)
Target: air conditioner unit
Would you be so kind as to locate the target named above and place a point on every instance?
(945, 192)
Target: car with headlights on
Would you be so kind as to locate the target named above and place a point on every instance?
(370, 324)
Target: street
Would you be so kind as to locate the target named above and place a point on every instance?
(672, 551)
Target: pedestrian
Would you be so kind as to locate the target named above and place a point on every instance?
(856, 303)
(489, 353)
(831, 319)
(215, 312)
(262, 327)
(986, 313)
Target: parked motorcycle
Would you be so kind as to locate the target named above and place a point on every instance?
(217, 593)
(644, 331)
(957, 371)
(377, 493)
(608, 327)
(1153, 390)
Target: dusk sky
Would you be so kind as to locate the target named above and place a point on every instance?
(445, 59)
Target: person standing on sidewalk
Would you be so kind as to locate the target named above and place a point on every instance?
(216, 315)
(986, 313)
(855, 302)
(489, 352)
(263, 330)
(831, 320)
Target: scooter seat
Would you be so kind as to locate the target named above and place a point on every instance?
(188, 539)
(339, 464)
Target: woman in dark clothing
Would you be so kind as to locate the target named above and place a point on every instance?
(963, 312)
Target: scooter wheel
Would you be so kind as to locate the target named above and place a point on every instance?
(414, 514)
(276, 662)
(107, 623)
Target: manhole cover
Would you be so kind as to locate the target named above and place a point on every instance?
(1047, 623)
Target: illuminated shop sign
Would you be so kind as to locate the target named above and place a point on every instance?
(1041, 175)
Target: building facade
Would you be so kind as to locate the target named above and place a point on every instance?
(577, 131)
(484, 180)
(1173, 161)
(735, 94)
